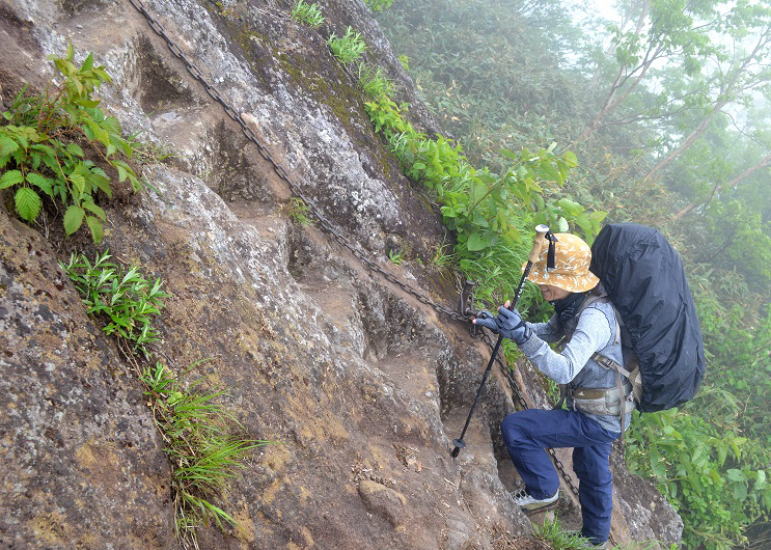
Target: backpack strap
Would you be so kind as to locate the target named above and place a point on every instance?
(610, 364)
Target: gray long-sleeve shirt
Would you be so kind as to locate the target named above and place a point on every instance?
(596, 332)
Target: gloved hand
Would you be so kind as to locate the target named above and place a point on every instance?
(508, 324)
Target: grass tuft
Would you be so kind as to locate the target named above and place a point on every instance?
(347, 48)
(202, 451)
(374, 82)
(127, 300)
(551, 532)
(307, 14)
(379, 5)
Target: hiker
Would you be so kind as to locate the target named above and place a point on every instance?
(586, 322)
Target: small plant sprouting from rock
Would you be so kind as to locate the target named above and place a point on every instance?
(347, 48)
(441, 258)
(202, 452)
(46, 141)
(124, 298)
(298, 211)
(307, 14)
(396, 256)
(559, 539)
(374, 83)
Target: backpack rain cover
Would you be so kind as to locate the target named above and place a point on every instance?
(644, 278)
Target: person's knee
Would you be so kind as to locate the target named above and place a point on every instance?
(580, 468)
(596, 476)
(511, 429)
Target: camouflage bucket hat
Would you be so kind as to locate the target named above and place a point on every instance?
(571, 266)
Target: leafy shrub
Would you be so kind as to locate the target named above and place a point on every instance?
(44, 145)
(308, 14)
(704, 471)
(125, 298)
(202, 453)
(490, 213)
(347, 48)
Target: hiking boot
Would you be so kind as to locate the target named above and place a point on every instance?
(587, 543)
(530, 505)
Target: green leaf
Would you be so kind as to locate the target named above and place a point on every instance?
(10, 178)
(122, 173)
(735, 475)
(41, 182)
(102, 183)
(479, 241)
(570, 208)
(91, 207)
(97, 232)
(760, 480)
(78, 181)
(88, 63)
(74, 149)
(7, 146)
(28, 203)
(73, 219)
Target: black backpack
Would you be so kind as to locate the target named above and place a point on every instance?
(645, 281)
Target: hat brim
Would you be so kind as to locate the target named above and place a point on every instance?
(571, 283)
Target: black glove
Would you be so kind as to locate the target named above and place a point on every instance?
(508, 323)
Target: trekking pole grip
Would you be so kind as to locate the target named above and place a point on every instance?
(538, 242)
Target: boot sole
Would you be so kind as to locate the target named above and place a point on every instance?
(543, 508)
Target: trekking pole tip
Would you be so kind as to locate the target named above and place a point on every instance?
(459, 444)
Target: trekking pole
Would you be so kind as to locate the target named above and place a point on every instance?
(538, 242)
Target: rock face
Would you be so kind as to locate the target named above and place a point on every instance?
(362, 386)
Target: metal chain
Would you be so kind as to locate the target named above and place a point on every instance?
(326, 224)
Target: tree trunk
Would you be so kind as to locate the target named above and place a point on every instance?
(764, 162)
(685, 145)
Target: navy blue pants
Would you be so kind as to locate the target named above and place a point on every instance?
(527, 435)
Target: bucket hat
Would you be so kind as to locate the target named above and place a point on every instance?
(571, 266)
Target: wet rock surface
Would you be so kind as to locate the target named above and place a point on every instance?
(361, 386)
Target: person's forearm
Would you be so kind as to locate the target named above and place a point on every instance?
(549, 331)
(591, 335)
(556, 366)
